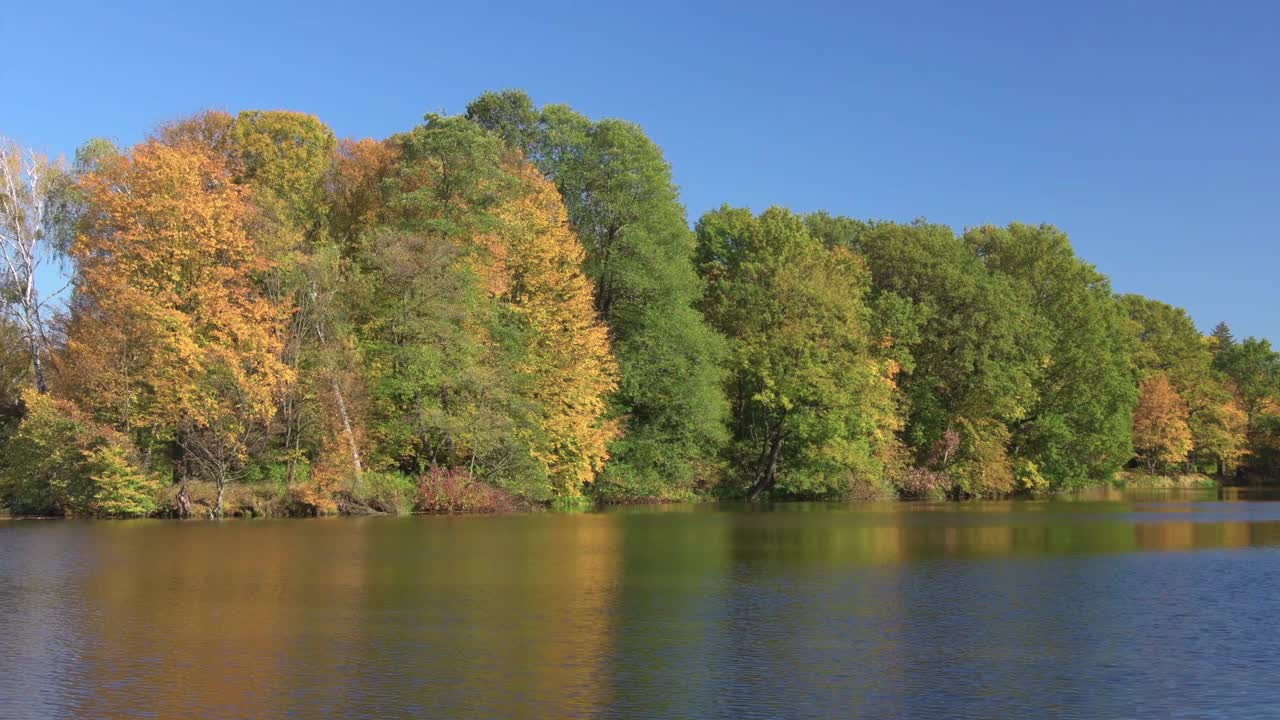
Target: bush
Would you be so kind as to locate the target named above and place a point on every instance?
(386, 492)
(924, 483)
(120, 490)
(59, 462)
(450, 491)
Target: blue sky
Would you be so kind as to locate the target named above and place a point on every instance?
(1149, 131)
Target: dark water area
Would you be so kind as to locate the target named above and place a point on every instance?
(1155, 604)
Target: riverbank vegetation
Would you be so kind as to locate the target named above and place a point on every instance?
(508, 308)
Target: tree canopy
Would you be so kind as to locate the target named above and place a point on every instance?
(509, 308)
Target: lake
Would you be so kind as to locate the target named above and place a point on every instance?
(1156, 604)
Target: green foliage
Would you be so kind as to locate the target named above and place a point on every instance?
(119, 488)
(812, 406)
(470, 270)
(388, 492)
(1254, 369)
(975, 348)
(1168, 343)
(58, 462)
(41, 472)
(625, 208)
(426, 322)
(285, 156)
(442, 359)
(1076, 432)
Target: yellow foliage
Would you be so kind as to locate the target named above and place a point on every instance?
(535, 263)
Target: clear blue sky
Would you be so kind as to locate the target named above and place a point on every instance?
(1149, 131)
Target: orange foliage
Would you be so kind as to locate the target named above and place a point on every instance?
(168, 319)
(356, 186)
(1160, 431)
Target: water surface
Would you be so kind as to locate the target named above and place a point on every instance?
(1137, 605)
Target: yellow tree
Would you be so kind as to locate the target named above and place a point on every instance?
(1160, 432)
(485, 350)
(538, 264)
(171, 339)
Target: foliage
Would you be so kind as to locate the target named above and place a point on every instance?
(170, 338)
(454, 491)
(1160, 433)
(59, 462)
(812, 406)
(623, 205)
(1075, 432)
(388, 492)
(508, 308)
(1169, 343)
(971, 348)
(485, 349)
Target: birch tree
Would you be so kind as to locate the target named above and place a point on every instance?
(27, 182)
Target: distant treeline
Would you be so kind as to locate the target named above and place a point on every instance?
(508, 308)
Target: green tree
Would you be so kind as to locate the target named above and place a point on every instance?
(286, 157)
(1223, 337)
(1254, 370)
(976, 351)
(626, 210)
(813, 411)
(60, 462)
(1076, 432)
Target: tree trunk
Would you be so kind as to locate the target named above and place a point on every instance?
(341, 401)
(346, 428)
(184, 502)
(216, 512)
(37, 363)
(768, 473)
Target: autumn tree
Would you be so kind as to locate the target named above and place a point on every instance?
(1168, 342)
(479, 325)
(356, 186)
(539, 262)
(171, 340)
(625, 208)
(1252, 370)
(1160, 432)
(285, 160)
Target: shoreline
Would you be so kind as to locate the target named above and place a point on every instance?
(1184, 482)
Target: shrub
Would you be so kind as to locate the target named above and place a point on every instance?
(450, 491)
(59, 462)
(386, 492)
(41, 472)
(119, 489)
(924, 483)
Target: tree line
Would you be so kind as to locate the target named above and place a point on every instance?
(508, 307)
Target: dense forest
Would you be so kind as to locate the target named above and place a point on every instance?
(509, 308)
